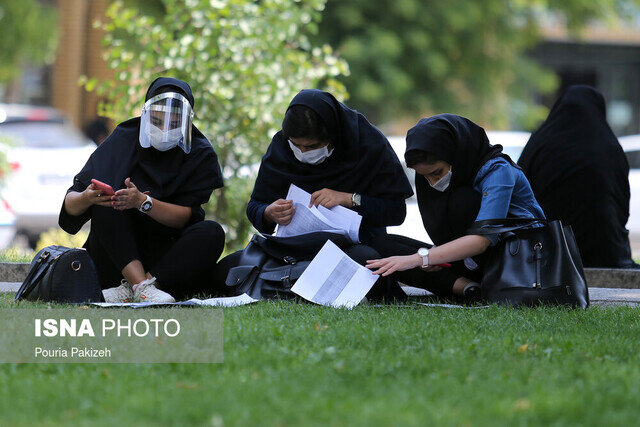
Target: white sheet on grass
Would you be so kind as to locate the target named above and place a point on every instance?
(427, 304)
(211, 302)
(334, 279)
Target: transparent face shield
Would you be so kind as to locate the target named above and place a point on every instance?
(166, 122)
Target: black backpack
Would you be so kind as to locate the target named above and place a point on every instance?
(61, 274)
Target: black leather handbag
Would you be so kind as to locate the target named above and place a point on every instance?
(269, 265)
(61, 274)
(532, 265)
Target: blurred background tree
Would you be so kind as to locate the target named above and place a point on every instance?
(28, 30)
(244, 60)
(413, 57)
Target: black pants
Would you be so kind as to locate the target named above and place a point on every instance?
(385, 288)
(180, 260)
(439, 282)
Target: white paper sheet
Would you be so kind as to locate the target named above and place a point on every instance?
(211, 302)
(334, 279)
(307, 220)
(428, 304)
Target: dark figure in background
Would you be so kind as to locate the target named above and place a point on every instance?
(334, 153)
(580, 175)
(460, 178)
(97, 130)
(152, 231)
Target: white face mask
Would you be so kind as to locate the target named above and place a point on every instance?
(443, 183)
(161, 140)
(311, 157)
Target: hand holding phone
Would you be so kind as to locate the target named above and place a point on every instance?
(104, 188)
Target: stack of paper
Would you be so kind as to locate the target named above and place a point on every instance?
(311, 219)
(334, 279)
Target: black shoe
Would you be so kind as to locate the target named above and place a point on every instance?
(472, 293)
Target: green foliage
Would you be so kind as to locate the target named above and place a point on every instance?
(416, 57)
(28, 30)
(56, 236)
(16, 254)
(288, 364)
(244, 60)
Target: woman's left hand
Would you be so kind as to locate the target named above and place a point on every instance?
(128, 198)
(387, 266)
(330, 198)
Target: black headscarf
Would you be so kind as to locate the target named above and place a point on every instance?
(465, 146)
(574, 136)
(171, 176)
(362, 162)
(580, 175)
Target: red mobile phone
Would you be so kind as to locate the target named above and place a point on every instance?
(105, 188)
(444, 265)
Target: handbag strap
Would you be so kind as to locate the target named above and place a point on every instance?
(487, 226)
(40, 266)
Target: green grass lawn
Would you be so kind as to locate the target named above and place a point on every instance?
(290, 364)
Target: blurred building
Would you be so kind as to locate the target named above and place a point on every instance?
(606, 58)
(79, 53)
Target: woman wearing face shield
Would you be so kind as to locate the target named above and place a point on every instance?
(336, 155)
(460, 178)
(151, 236)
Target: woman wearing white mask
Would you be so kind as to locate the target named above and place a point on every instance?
(150, 237)
(460, 178)
(336, 155)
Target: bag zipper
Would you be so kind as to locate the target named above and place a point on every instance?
(537, 248)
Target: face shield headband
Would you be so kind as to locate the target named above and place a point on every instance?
(166, 122)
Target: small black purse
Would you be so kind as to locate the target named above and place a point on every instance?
(61, 274)
(532, 265)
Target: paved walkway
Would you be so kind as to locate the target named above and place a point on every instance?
(598, 296)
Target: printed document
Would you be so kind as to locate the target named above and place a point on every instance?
(334, 279)
(310, 219)
(211, 302)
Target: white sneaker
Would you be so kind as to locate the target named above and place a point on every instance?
(146, 291)
(122, 293)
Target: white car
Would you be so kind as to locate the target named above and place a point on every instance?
(45, 153)
(513, 143)
(631, 146)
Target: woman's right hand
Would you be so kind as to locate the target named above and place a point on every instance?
(280, 212)
(92, 195)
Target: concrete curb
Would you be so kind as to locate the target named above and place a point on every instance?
(596, 277)
(13, 271)
(612, 278)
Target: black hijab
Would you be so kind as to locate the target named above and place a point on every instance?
(465, 146)
(575, 136)
(362, 162)
(580, 175)
(171, 176)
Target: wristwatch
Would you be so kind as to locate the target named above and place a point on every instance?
(424, 253)
(146, 205)
(356, 200)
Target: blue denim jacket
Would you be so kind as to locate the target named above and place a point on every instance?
(506, 192)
